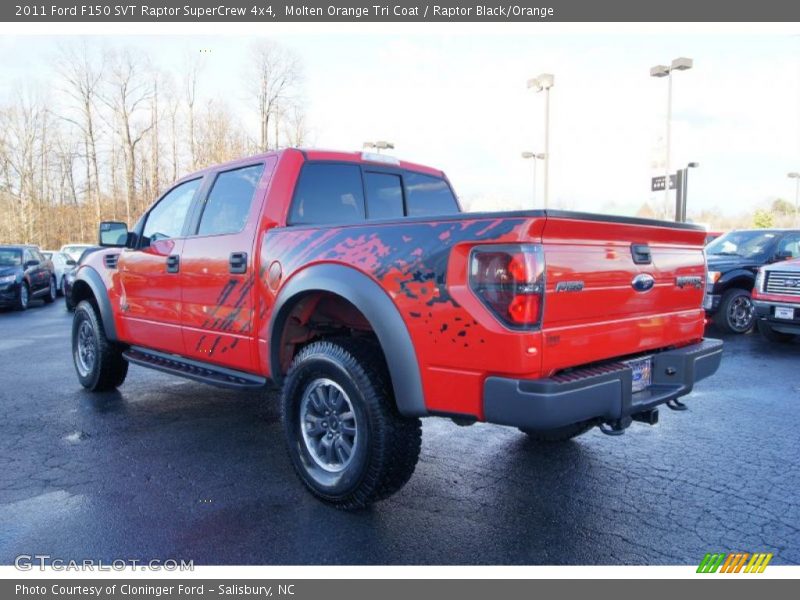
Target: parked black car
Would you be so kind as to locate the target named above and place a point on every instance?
(733, 262)
(69, 277)
(25, 274)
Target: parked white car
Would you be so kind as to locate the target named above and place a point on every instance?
(75, 250)
(62, 263)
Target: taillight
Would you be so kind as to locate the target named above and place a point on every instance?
(509, 280)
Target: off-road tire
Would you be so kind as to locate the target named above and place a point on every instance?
(770, 334)
(387, 449)
(559, 434)
(723, 318)
(108, 368)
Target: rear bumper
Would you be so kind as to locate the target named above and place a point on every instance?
(765, 311)
(602, 392)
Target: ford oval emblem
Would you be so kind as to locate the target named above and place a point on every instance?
(643, 282)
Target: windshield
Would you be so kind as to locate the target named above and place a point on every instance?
(10, 257)
(743, 244)
(77, 249)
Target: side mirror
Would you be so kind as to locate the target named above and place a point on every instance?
(32, 263)
(71, 263)
(113, 234)
(783, 255)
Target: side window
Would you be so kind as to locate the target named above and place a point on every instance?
(37, 256)
(166, 218)
(228, 203)
(428, 196)
(384, 195)
(328, 193)
(26, 257)
(790, 243)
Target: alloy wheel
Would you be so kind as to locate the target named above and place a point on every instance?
(329, 425)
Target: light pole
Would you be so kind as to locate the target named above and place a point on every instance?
(543, 83)
(796, 176)
(534, 156)
(678, 64)
(379, 145)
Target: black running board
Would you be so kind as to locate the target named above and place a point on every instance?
(194, 369)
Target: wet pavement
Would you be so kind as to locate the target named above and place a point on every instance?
(168, 468)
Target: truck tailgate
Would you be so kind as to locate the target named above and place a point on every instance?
(605, 297)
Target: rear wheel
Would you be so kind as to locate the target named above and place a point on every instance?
(736, 312)
(347, 441)
(52, 291)
(560, 434)
(770, 334)
(24, 296)
(98, 361)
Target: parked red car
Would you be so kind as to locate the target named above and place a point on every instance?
(356, 283)
(776, 297)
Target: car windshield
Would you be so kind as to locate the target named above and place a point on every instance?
(10, 257)
(743, 244)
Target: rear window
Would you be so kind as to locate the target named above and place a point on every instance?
(328, 193)
(428, 196)
(384, 195)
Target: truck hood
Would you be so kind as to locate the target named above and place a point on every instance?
(723, 264)
(5, 271)
(786, 265)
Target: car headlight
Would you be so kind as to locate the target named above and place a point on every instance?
(713, 276)
(7, 279)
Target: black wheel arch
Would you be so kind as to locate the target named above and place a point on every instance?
(88, 285)
(738, 278)
(379, 310)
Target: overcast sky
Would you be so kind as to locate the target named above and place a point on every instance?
(459, 102)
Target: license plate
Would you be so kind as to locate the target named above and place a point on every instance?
(783, 312)
(642, 370)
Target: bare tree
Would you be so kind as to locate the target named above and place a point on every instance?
(295, 127)
(128, 95)
(82, 71)
(193, 69)
(275, 74)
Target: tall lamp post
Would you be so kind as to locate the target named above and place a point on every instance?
(543, 83)
(796, 176)
(379, 145)
(534, 156)
(678, 64)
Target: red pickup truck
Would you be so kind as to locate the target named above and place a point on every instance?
(355, 282)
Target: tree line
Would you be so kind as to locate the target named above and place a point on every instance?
(109, 128)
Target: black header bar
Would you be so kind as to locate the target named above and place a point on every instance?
(382, 11)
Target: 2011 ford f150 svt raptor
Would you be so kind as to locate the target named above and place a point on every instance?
(355, 282)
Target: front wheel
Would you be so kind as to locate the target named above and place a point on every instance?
(560, 434)
(98, 361)
(736, 312)
(770, 334)
(24, 296)
(52, 291)
(347, 441)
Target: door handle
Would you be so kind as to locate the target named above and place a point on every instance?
(641, 254)
(173, 263)
(238, 262)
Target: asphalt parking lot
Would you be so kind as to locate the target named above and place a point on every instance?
(168, 468)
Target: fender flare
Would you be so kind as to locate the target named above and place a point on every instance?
(735, 274)
(375, 304)
(92, 278)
